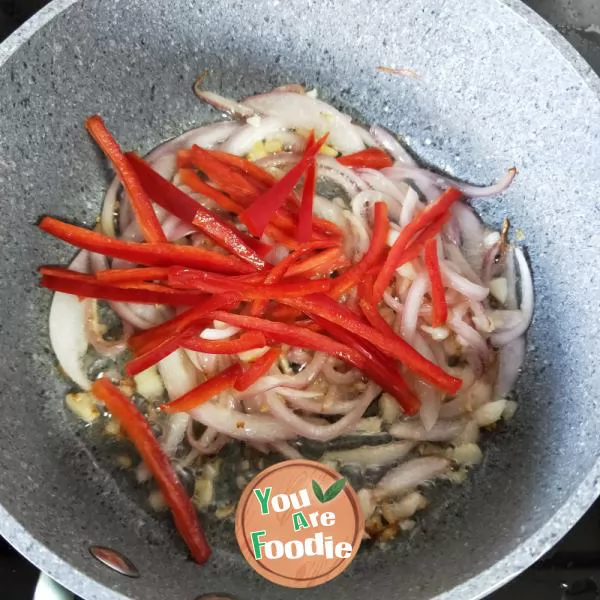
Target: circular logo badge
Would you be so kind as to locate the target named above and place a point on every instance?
(299, 523)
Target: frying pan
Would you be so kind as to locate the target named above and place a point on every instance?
(494, 86)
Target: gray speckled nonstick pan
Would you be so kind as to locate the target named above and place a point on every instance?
(496, 86)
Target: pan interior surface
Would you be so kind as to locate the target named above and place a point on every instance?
(493, 88)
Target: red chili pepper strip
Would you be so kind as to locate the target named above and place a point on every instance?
(139, 432)
(257, 369)
(229, 179)
(140, 201)
(305, 213)
(64, 273)
(257, 216)
(354, 274)
(191, 179)
(372, 158)
(215, 284)
(159, 255)
(431, 213)
(394, 346)
(197, 184)
(374, 317)
(281, 269)
(94, 289)
(319, 265)
(144, 340)
(245, 166)
(282, 332)
(132, 275)
(157, 352)
(438, 293)
(247, 341)
(221, 382)
(178, 203)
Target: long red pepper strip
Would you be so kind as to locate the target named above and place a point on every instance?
(247, 341)
(245, 166)
(221, 382)
(372, 158)
(354, 354)
(144, 340)
(374, 317)
(140, 201)
(438, 293)
(94, 289)
(158, 351)
(193, 181)
(197, 184)
(324, 306)
(353, 275)
(285, 216)
(158, 255)
(320, 265)
(257, 369)
(376, 366)
(305, 212)
(212, 283)
(178, 203)
(139, 432)
(257, 216)
(132, 275)
(230, 180)
(423, 219)
(64, 273)
(277, 273)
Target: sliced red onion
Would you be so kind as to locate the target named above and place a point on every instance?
(335, 377)
(431, 398)
(456, 257)
(67, 328)
(207, 363)
(359, 239)
(242, 426)
(286, 450)
(400, 174)
(501, 338)
(96, 339)
(363, 202)
(469, 335)
(225, 105)
(296, 110)
(461, 284)
(326, 209)
(322, 433)
(219, 334)
(510, 360)
(511, 279)
(442, 431)
(300, 380)
(365, 136)
(128, 315)
(438, 180)
(370, 457)
(410, 313)
(409, 475)
(241, 143)
(179, 376)
(410, 206)
(110, 208)
(210, 442)
(391, 145)
(469, 400)
(318, 407)
(472, 233)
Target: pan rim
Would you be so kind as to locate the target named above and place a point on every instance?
(475, 588)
